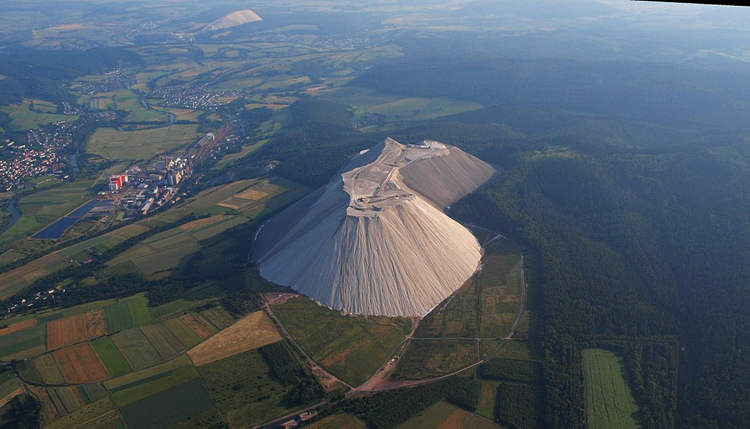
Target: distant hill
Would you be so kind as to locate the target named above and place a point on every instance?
(233, 19)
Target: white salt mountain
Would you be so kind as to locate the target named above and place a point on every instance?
(238, 17)
(375, 240)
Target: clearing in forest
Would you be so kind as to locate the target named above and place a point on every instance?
(609, 401)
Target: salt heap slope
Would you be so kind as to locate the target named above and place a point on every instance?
(375, 240)
(238, 17)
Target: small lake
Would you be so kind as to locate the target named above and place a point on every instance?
(57, 229)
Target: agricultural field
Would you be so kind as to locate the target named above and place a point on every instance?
(9, 387)
(176, 404)
(140, 144)
(147, 374)
(501, 283)
(24, 118)
(244, 389)
(142, 388)
(23, 343)
(455, 317)
(118, 316)
(111, 357)
(184, 333)
(129, 102)
(337, 421)
(136, 348)
(277, 192)
(350, 347)
(445, 415)
(218, 316)
(74, 329)
(433, 358)
(43, 207)
(100, 413)
(488, 399)
(366, 102)
(246, 150)
(230, 205)
(609, 400)
(80, 364)
(46, 367)
(199, 325)
(17, 278)
(251, 332)
(164, 341)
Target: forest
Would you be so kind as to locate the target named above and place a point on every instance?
(629, 237)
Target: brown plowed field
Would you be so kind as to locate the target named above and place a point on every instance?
(80, 364)
(75, 329)
(196, 325)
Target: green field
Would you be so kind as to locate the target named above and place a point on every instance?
(609, 401)
(501, 284)
(8, 383)
(139, 310)
(24, 342)
(515, 350)
(444, 414)
(487, 399)
(278, 192)
(137, 390)
(140, 144)
(174, 405)
(110, 355)
(148, 373)
(166, 344)
(187, 336)
(129, 101)
(136, 348)
(352, 348)
(39, 209)
(366, 101)
(118, 316)
(244, 390)
(337, 421)
(218, 316)
(23, 118)
(432, 358)
(47, 368)
(232, 157)
(456, 317)
(84, 415)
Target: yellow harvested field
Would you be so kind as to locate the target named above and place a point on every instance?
(200, 223)
(5, 399)
(252, 331)
(229, 206)
(251, 194)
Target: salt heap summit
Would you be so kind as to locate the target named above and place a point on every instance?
(375, 240)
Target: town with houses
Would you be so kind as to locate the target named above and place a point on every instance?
(39, 155)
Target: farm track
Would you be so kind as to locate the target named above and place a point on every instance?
(379, 381)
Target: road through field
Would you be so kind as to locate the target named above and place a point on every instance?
(379, 381)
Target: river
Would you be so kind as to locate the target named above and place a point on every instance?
(15, 214)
